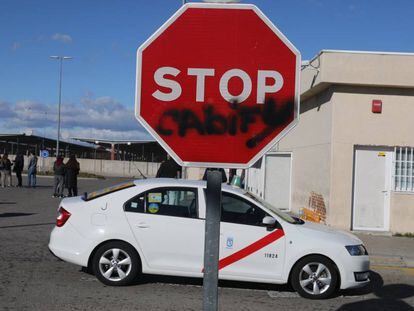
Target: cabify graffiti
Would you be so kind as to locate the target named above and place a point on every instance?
(237, 120)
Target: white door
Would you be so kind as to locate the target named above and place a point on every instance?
(277, 180)
(372, 185)
(166, 226)
(247, 249)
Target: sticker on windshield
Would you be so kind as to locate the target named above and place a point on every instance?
(153, 208)
(155, 197)
(134, 204)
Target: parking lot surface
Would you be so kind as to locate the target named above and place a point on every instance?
(33, 279)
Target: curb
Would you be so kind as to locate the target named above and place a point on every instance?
(391, 261)
(51, 176)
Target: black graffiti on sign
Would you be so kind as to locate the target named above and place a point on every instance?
(239, 120)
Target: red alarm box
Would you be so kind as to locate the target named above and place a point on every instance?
(376, 106)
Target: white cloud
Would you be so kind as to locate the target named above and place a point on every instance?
(62, 38)
(102, 117)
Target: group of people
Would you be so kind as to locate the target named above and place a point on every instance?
(6, 168)
(65, 175)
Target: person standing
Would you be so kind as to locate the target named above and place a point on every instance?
(72, 171)
(2, 172)
(169, 169)
(18, 168)
(32, 170)
(232, 173)
(59, 170)
(5, 171)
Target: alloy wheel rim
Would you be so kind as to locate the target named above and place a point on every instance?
(115, 264)
(315, 278)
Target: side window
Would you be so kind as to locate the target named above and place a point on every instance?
(238, 211)
(136, 204)
(179, 202)
(172, 202)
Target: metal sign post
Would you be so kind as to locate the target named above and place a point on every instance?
(212, 241)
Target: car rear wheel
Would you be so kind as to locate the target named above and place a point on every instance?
(315, 277)
(116, 264)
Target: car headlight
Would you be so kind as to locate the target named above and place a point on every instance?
(356, 250)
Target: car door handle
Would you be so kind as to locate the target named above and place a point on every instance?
(143, 225)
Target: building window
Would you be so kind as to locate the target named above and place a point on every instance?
(404, 169)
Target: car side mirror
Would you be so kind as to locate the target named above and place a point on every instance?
(269, 222)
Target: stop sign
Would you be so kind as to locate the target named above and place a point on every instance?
(217, 85)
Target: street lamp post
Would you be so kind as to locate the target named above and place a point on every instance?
(61, 59)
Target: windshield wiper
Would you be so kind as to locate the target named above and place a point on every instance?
(298, 221)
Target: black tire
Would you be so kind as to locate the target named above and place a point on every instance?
(122, 258)
(311, 283)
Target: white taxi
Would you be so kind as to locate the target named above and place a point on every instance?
(156, 226)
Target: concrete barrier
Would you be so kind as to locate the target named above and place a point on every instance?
(105, 168)
(108, 168)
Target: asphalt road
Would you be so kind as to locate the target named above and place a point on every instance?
(32, 279)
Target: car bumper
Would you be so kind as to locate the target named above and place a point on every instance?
(354, 265)
(67, 244)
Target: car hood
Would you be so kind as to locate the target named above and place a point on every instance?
(323, 231)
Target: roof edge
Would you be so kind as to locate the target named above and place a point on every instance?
(360, 52)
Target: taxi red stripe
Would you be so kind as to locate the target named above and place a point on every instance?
(250, 249)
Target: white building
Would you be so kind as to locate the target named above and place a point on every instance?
(350, 159)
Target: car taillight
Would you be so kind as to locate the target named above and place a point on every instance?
(62, 217)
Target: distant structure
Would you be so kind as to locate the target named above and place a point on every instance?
(86, 148)
(25, 142)
(145, 150)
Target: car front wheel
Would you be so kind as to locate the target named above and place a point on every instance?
(116, 264)
(315, 277)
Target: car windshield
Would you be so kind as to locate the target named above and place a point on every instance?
(286, 217)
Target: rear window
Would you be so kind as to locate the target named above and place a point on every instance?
(108, 190)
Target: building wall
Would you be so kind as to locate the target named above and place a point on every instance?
(194, 173)
(364, 68)
(355, 124)
(255, 178)
(402, 212)
(310, 145)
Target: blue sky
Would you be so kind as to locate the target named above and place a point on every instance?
(102, 37)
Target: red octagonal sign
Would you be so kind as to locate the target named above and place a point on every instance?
(217, 85)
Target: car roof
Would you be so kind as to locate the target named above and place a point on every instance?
(171, 182)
